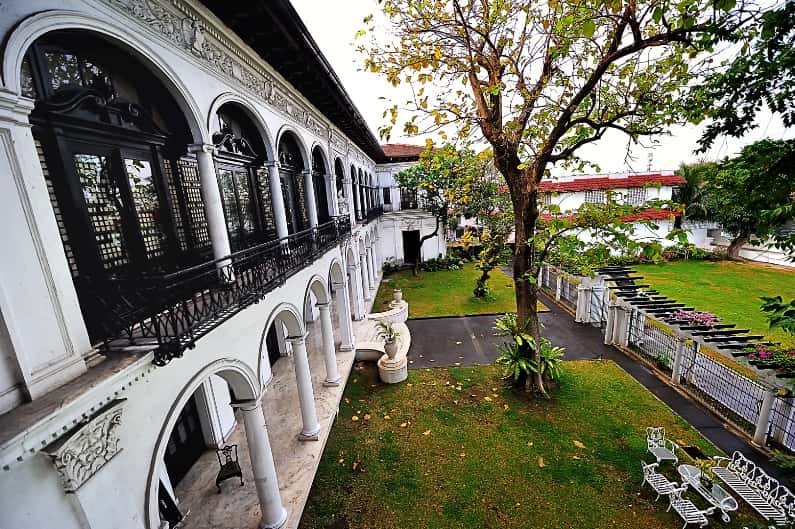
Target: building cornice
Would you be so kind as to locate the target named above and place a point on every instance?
(195, 31)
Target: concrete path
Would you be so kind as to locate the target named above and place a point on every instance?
(470, 340)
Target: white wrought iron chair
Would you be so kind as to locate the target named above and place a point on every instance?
(662, 448)
(687, 510)
(659, 483)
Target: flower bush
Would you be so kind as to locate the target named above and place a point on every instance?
(705, 319)
(773, 356)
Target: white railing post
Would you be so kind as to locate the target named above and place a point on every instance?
(610, 324)
(583, 304)
(760, 433)
(676, 369)
(558, 286)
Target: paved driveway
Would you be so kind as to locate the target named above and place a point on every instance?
(470, 340)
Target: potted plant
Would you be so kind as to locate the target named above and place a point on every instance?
(705, 466)
(387, 331)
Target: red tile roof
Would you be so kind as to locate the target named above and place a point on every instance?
(604, 182)
(402, 150)
(646, 214)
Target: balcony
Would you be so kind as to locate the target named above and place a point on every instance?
(374, 213)
(170, 311)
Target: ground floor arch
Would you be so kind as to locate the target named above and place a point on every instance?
(244, 394)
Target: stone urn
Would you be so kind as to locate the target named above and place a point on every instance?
(391, 349)
(397, 295)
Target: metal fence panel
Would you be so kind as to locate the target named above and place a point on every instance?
(732, 394)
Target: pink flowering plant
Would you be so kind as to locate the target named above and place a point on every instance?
(704, 319)
(772, 355)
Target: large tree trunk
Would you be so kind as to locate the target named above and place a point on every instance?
(526, 214)
(733, 251)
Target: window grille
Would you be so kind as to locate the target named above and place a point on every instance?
(636, 196)
(596, 196)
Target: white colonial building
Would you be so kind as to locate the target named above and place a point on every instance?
(192, 232)
(569, 193)
(405, 222)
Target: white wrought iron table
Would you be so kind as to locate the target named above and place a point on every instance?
(715, 495)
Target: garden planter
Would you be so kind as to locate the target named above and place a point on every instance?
(391, 349)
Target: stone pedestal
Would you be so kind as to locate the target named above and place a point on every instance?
(394, 370)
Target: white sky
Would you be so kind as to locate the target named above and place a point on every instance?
(333, 24)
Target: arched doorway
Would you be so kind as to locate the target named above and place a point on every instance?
(319, 183)
(242, 178)
(291, 167)
(113, 148)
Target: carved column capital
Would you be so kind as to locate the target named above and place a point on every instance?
(81, 453)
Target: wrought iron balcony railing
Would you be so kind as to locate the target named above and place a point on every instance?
(171, 311)
(374, 213)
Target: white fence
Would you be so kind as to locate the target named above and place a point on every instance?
(731, 391)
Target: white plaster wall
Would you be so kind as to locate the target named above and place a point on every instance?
(642, 233)
(392, 226)
(31, 496)
(11, 394)
(572, 200)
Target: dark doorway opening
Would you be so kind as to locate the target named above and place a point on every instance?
(272, 345)
(186, 443)
(411, 246)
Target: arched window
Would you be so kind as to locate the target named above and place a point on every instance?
(242, 179)
(111, 141)
(319, 184)
(291, 166)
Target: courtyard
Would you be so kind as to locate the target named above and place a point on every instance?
(455, 448)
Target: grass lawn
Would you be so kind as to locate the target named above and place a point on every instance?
(447, 292)
(726, 288)
(454, 448)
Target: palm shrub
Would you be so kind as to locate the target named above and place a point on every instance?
(517, 354)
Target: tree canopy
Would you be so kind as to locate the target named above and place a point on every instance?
(444, 178)
(762, 73)
(538, 81)
(760, 179)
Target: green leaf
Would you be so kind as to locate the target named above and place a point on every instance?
(589, 28)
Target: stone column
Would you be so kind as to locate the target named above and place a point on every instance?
(311, 203)
(329, 351)
(365, 277)
(344, 313)
(331, 194)
(277, 200)
(274, 514)
(306, 397)
(356, 283)
(213, 208)
(371, 268)
(349, 199)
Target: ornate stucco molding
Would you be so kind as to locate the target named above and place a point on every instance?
(189, 29)
(81, 453)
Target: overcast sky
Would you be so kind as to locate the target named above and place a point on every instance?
(333, 24)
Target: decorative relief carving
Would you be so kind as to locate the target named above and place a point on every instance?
(188, 31)
(81, 453)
